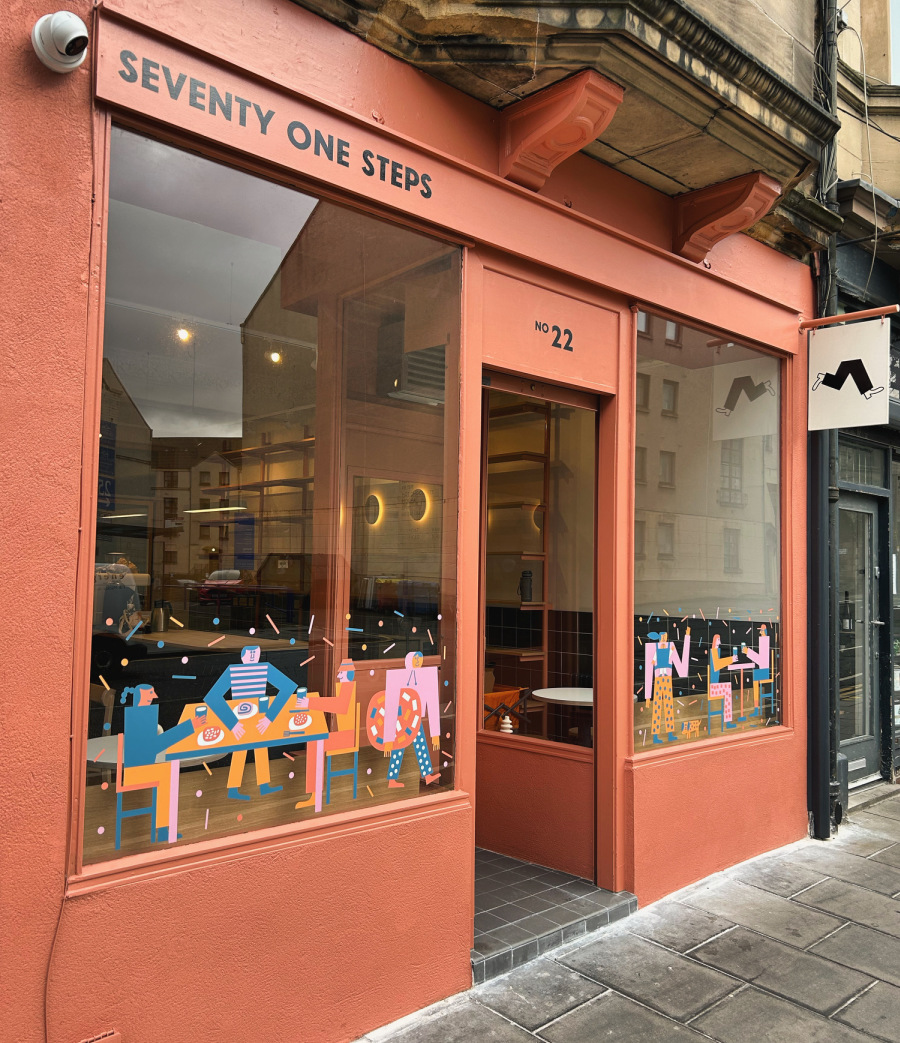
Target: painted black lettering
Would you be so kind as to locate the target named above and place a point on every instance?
(264, 118)
(149, 75)
(411, 179)
(293, 128)
(382, 162)
(174, 86)
(128, 71)
(568, 345)
(397, 174)
(556, 332)
(242, 105)
(196, 97)
(425, 192)
(537, 325)
(368, 169)
(323, 144)
(343, 152)
(215, 99)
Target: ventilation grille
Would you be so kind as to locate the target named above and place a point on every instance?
(422, 376)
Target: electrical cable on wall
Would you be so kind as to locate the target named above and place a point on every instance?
(862, 52)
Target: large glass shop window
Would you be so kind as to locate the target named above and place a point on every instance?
(274, 584)
(707, 589)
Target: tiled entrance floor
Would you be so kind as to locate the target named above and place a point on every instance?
(523, 910)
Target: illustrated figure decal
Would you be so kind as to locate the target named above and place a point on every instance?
(344, 706)
(744, 386)
(410, 699)
(720, 689)
(249, 679)
(856, 370)
(660, 658)
(142, 742)
(763, 671)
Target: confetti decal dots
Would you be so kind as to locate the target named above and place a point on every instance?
(240, 818)
(184, 659)
(109, 622)
(293, 641)
(124, 662)
(104, 785)
(290, 774)
(106, 726)
(364, 647)
(101, 830)
(446, 684)
(440, 616)
(199, 792)
(347, 616)
(381, 622)
(252, 630)
(368, 771)
(160, 644)
(216, 621)
(371, 673)
(413, 629)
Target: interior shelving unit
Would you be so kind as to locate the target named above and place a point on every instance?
(518, 492)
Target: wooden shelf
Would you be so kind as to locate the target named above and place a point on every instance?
(523, 555)
(525, 606)
(524, 654)
(517, 506)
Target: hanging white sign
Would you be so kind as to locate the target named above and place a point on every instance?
(849, 375)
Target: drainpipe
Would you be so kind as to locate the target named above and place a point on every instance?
(821, 513)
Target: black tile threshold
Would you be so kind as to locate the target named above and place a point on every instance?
(523, 910)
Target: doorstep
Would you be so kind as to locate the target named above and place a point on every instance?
(523, 910)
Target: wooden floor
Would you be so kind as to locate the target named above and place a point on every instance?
(201, 792)
(691, 712)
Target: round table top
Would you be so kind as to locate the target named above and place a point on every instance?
(572, 696)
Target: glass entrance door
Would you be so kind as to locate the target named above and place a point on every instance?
(859, 638)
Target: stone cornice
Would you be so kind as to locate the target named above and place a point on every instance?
(520, 32)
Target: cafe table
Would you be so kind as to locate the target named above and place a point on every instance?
(284, 730)
(571, 697)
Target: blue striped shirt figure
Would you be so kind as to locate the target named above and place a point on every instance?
(249, 680)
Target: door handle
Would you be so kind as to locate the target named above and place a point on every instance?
(877, 622)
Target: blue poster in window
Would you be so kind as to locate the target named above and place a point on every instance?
(245, 543)
(108, 460)
(106, 493)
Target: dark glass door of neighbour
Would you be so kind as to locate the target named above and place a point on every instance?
(859, 635)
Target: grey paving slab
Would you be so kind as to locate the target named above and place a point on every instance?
(463, 1023)
(777, 875)
(864, 950)
(533, 995)
(888, 827)
(885, 808)
(890, 855)
(757, 1016)
(666, 981)
(616, 1019)
(856, 840)
(876, 1012)
(799, 976)
(856, 870)
(763, 912)
(858, 904)
(871, 793)
(677, 926)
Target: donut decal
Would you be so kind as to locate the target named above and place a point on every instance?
(409, 714)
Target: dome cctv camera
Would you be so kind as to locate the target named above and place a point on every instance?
(60, 41)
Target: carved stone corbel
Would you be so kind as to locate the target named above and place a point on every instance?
(540, 131)
(708, 215)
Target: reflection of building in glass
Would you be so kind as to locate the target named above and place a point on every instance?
(708, 504)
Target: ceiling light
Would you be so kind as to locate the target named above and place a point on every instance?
(183, 335)
(275, 356)
(213, 510)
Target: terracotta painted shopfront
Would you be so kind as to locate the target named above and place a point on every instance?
(378, 423)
